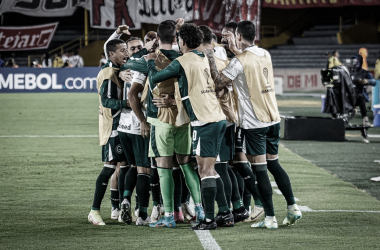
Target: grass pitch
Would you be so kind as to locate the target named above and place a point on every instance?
(47, 186)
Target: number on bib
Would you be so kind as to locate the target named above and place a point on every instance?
(194, 135)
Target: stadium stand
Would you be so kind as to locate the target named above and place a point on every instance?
(308, 50)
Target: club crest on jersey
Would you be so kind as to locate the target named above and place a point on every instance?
(119, 149)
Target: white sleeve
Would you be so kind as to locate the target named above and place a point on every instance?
(233, 69)
(220, 53)
(113, 36)
(138, 77)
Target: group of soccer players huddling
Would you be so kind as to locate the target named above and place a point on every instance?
(182, 116)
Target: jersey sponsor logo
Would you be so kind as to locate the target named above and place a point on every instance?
(210, 90)
(124, 127)
(267, 90)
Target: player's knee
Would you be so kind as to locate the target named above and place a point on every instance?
(204, 172)
(257, 158)
(272, 157)
(143, 170)
(108, 170)
(123, 163)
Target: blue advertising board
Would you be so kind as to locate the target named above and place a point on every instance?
(34, 80)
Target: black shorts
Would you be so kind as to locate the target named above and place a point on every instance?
(227, 148)
(136, 149)
(261, 141)
(113, 150)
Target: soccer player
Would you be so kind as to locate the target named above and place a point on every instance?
(150, 36)
(251, 72)
(197, 102)
(166, 138)
(240, 164)
(134, 135)
(229, 27)
(110, 106)
(122, 176)
(227, 150)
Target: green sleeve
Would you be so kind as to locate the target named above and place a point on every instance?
(171, 71)
(138, 65)
(108, 93)
(140, 53)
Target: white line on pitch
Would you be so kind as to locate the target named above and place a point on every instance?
(374, 136)
(48, 136)
(277, 191)
(307, 209)
(207, 241)
(347, 211)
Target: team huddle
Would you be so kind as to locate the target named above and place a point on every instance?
(180, 117)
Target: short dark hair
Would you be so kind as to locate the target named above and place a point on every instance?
(247, 30)
(166, 31)
(111, 45)
(207, 34)
(191, 35)
(214, 37)
(232, 25)
(132, 38)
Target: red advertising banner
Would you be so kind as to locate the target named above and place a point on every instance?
(43, 8)
(216, 14)
(26, 38)
(297, 4)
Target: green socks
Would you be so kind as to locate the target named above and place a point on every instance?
(142, 190)
(192, 181)
(220, 197)
(167, 188)
(282, 180)
(101, 185)
(264, 187)
(222, 169)
(155, 186)
(130, 183)
(177, 188)
(208, 195)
